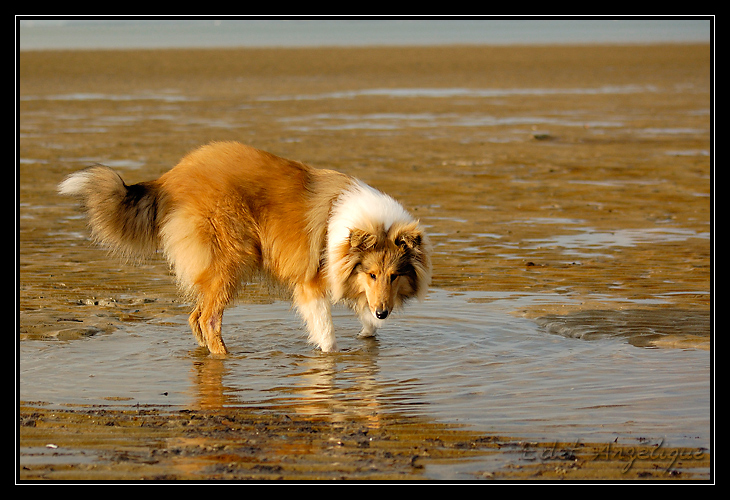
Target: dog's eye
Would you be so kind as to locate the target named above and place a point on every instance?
(373, 276)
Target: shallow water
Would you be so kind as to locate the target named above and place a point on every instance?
(453, 358)
(567, 194)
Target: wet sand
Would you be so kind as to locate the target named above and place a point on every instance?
(136, 444)
(583, 171)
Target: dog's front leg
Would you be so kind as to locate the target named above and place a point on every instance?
(369, 323)
(317, 314)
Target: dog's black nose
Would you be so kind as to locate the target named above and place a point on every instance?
(381, 313)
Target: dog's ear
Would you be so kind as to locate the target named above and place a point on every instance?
(362, 240)
(409, 238)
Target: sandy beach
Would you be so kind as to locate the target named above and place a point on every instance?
(578, 170)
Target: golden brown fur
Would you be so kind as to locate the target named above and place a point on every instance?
(228, 212)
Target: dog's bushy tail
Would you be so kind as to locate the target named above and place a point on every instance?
(123, 218)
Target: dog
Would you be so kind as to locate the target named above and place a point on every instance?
(227, 213)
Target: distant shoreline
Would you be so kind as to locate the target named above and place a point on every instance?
(79, 34)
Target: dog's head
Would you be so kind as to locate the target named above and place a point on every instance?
(392, 265)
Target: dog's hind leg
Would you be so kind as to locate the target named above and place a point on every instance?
(194, 321)
(206, 319)
(209, 323)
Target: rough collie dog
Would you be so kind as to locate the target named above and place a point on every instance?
(228, 212)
